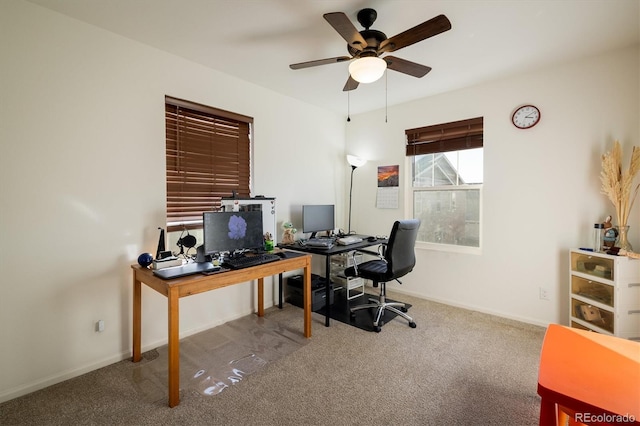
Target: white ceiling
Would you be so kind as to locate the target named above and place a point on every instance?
(256, 40)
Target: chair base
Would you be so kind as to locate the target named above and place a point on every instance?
(381, 305)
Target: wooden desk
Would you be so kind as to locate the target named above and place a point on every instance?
(186, 286)
(590, 376)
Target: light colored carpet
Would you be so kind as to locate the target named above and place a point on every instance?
(458, 367)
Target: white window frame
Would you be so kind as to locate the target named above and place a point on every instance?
(410, 190)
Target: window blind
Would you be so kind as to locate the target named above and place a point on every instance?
(208, 157)
(453, 136)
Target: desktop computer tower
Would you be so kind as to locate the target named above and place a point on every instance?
(264, 204)
(318, 291)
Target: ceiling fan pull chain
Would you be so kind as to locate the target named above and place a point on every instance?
(348, 106)
(386, 95)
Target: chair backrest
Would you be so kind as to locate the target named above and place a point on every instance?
(400, 254)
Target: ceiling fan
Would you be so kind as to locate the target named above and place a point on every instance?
(367, 45)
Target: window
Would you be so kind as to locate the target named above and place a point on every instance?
(447, 175)
(208, 157)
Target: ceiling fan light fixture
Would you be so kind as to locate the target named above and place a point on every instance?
(367, 69)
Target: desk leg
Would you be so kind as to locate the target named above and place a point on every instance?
(306, 299)
(327, 279)
(137, 318)
(260, 297)
(174, 347)
(548, 415)
(280, 294)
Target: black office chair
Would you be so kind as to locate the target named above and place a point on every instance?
(396, 260)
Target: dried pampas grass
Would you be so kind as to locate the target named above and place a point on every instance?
(617, 184)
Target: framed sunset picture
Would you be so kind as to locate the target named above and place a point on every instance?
(388, 176)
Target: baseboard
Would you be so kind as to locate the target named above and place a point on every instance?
(70, 374)
(526, 320)
(61, 377)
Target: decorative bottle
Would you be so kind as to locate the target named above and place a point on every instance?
(598, 230)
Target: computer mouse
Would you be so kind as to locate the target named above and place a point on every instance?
(372, 239)
(282, 254)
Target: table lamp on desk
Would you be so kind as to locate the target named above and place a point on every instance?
(355, 162)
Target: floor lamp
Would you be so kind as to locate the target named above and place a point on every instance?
(355, 162)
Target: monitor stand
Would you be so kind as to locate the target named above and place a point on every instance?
(236, 254)
(314, 235)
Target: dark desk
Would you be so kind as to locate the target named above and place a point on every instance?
(176, 288)
(336, 249)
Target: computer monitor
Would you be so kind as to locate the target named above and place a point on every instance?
(317, 218)
(232, 231)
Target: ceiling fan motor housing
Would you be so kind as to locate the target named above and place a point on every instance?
(373, 39)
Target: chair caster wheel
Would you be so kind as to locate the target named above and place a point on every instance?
(377, 328)
(412, 324)
(404, 309)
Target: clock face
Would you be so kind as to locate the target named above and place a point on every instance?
(526, 117)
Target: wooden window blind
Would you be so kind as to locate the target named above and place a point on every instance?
(454, 136)
(208, 157)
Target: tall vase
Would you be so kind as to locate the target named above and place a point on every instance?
(623, 242)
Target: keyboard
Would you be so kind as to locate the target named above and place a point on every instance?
(318, 243)
(251, 260)
(348, 240)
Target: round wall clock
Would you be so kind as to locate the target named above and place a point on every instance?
(525, 117)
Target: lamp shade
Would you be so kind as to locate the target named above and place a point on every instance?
(356, 161)
(367, 69)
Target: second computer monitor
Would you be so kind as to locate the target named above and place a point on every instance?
(318, 218)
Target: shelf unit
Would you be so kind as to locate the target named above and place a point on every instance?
(353, 285)
(604, 293)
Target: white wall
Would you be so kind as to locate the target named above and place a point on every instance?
(541, 185)
(82, 188)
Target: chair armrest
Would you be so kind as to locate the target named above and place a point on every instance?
(382, 248)
(371, 252)
(379, 254)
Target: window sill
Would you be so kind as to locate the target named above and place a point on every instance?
(448, 248)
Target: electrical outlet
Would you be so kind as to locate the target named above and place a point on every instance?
(100, 326)
(544, 294)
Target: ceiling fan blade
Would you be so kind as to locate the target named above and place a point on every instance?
(350, 85)
(406, 67)
(430, 28)
(319, 62)
(346, 29)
